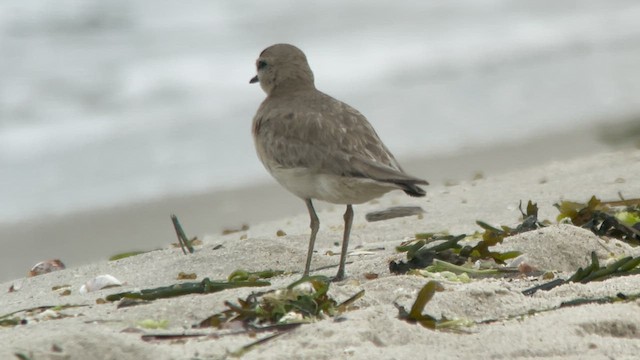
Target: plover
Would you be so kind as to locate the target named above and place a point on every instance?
(317, 147)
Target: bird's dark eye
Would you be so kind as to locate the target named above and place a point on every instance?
(261, 64)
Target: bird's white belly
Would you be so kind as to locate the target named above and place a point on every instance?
(330, 188)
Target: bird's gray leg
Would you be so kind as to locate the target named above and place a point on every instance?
(348, 221)
(315, 225)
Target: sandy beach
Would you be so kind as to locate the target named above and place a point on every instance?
(494, 309)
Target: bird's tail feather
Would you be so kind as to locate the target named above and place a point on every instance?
(412, 189)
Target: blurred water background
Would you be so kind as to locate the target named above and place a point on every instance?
(109, 102)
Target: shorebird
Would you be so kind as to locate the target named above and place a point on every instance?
(317, 147)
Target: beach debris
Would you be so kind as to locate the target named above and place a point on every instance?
(450, 182)
(601, 300)
(420, 254)
(447, 250)
(99, 282)
(16, 286)
(371, 276)
(185, 243)
(246, 348)
(228, 231)
(355, 252)
(126, 255)
(130, 303)
(303, 301)
(625, 266)
(149, 337)
(594, 272)
(10, 321)
(194, 242)
(617, 298)
(444, 275)
(523, 264)
(23, 356)
(493, 236)
(58, 287)
(439, 266)
(278, 330)
(243, 275)
(46, 266)
(415, 315)
(153, 324)
(206, 286)
(616, 219)
(65, 292)
(38, 313)
(393, 212)
(186, 276)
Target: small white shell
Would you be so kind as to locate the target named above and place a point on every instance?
(48, 315)
(99, 282)
(16, 286)
(523, 263)
(291, 317)
(304, 288)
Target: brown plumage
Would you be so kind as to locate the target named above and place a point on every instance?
(318, 147)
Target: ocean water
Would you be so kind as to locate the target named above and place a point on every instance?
(105, 103)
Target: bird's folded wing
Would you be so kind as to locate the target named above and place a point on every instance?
(369, 169)
(328, 149)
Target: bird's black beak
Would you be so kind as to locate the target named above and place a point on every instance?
(254, 80)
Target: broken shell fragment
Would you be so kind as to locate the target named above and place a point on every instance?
(47, 266)
(99, 282)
